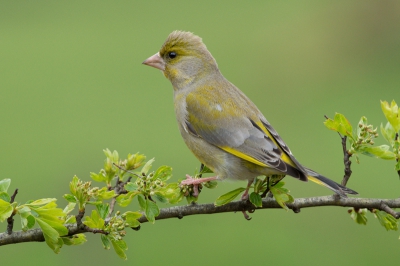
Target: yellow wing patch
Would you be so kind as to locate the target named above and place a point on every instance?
(284, 156)
(243, 156)
(319, 182)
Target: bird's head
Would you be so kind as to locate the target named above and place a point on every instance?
(183, 58)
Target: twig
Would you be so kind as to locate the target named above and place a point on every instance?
(346, 161)
(36, 235)
(119, 189)
(346, 158)
(397, 159)
(10, 220)
(386, 208)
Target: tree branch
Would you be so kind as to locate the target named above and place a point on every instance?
(387, 205)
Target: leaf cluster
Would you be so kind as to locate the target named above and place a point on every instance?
(362, 139)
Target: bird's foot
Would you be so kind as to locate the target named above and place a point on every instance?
(245, 197)
(196, 182)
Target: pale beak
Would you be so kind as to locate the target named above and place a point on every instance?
(155, 61)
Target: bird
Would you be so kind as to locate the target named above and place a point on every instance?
(222, 127)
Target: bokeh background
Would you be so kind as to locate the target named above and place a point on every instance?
(72, 84)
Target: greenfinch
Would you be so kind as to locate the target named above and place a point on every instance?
(221, 126)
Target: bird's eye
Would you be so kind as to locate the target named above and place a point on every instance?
(172, 55)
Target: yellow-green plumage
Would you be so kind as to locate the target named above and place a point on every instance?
(220, 125)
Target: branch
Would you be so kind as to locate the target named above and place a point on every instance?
(346, 161)
(387, 205)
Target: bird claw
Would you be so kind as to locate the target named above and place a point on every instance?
(196, 182)
(246, 216)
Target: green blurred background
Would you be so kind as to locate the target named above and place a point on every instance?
(72, 84)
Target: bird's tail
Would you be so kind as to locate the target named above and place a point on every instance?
(332, 185)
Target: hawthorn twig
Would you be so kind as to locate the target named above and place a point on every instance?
(36, 235)
(10, 220)
(397, 159)
(346, 161)
(386, 208)
(346, 158)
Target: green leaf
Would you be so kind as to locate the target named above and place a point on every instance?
(211, 184)
(70, 219)
(51, 236)
(340, 124)
(69, 208)
(100, 177)
(160, 197)
(281, 195)
(163, 173)
(59, 227)
(113, 156)
(386, 220)
(70, 198)
(41, 202)
(392, 114)
(135, 161)
(228, 197)
(74, 240)
(106, 241)
(50, 212)
(5, 184)
(255, 198)
(103, 210)
(151, 211)
(142, 203)
(147, 166)
(27, 220)
(124, 200)
(131, 218)
(397, 167)
(4, 196)
(359, 216)
(117, 247)
(104, 194)
(388, 133)
(131, 186)
(94, 221)
(30, 222)
(5, 210)
(191, 199)
(172, 192)
(381, 152)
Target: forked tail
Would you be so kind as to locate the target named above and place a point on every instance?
(332, 185)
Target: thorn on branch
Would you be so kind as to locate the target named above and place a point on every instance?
(10, 220)
(14, 195)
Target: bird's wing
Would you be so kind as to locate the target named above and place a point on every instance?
(234, 124)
